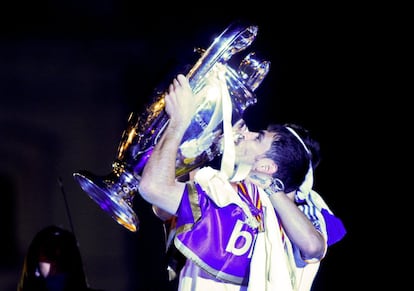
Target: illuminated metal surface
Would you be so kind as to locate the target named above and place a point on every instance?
(201, 143)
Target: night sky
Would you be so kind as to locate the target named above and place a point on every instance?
(72, 71)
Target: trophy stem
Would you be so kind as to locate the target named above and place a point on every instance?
(101, 190)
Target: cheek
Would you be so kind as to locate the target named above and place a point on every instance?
(257, 166)
(246, 151)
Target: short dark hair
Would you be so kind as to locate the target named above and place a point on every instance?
(290, 155)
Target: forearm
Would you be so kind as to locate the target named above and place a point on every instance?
(298, 227)
(158, 183)
(296, 224)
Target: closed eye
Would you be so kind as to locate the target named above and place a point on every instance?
(260, 135)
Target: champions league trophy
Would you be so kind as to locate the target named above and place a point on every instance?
(222, 95)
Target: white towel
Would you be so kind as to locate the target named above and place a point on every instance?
(269, 268)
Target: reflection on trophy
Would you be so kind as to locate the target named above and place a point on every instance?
(222, 94)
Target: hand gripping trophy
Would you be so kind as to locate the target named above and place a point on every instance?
(222, 93)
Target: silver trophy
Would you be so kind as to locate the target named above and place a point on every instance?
(223, 94)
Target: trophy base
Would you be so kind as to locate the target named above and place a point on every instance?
(114, 205)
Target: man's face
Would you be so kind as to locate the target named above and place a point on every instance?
(250, 146)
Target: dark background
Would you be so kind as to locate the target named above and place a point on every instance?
(72, 71)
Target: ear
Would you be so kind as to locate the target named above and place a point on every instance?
(266, 166)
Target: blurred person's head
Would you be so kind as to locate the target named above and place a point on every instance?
(53, 262)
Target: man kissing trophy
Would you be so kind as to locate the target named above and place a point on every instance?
(222, 95)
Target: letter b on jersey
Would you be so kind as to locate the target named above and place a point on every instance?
(242, 238)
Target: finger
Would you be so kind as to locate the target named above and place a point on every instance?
(181, 79)
(171, 88)
(176, 83)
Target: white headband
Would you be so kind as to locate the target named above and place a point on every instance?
(298, 137)
(307, 184)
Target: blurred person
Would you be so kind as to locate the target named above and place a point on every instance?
(267, 231)
(53, 263)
